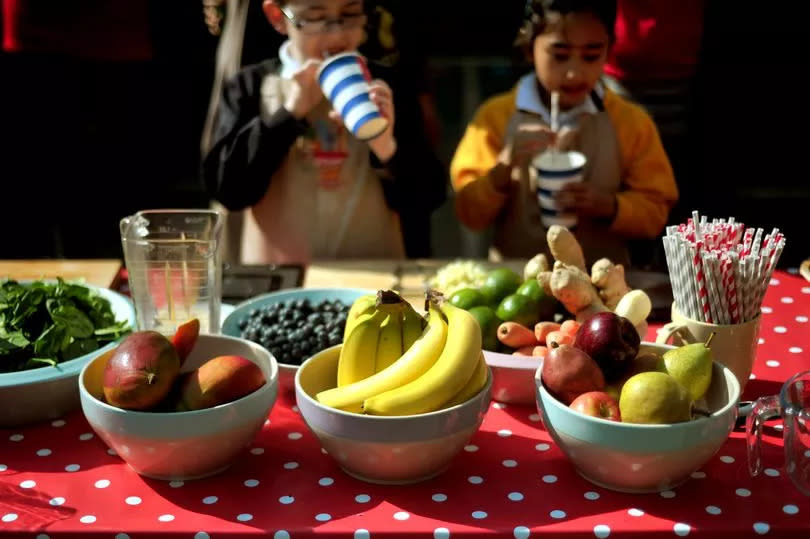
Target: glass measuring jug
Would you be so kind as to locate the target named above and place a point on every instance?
(793, 404)
(174, 262)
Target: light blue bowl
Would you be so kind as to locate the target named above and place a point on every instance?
(51, 392)
(315, 295)
(642, 458)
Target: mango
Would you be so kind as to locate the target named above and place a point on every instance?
(141, 371)
(217, 381)
(185, 338)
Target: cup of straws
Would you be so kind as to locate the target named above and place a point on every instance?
(719, 271)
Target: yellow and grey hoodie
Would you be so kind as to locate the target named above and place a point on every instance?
(625, 157)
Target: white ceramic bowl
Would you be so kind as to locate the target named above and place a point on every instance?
(512, 377)
(50, 392)
(385, 450)
(183, 445)
(642, 458)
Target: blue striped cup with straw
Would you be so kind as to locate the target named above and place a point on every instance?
(344, 79)
(554, 170)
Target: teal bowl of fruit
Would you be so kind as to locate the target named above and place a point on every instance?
(638, 458)
(79, 317)
(293, 325)
(191, 434)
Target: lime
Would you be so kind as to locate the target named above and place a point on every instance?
(532, 289)
(489, 323)
(500, 283)
(467, 298)
(520, 309)
(546, 304)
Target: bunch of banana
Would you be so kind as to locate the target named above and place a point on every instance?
(377, 333)
(444, 366)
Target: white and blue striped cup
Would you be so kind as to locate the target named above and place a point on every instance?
(555, 170)
(344, 80)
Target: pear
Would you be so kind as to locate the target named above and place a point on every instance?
(654, 398)
(691, 366)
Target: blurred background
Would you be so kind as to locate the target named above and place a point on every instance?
(103, 103)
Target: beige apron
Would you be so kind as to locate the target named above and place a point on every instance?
(519, 232)
(324, 202)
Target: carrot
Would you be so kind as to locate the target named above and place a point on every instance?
(559, 337)
(515, 335)
(540, 351)
(524, 351)
(570, 327)
(542, 329)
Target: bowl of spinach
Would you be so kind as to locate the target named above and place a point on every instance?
(48, 331)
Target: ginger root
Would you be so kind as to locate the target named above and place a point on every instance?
(544, 278)
(608, 278)
(573, 288)
(565, 247)
(538, 264)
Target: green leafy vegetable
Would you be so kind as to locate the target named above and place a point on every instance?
(45, 323)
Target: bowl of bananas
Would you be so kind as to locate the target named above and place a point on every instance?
(397, 417)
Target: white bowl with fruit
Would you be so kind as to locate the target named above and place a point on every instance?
(176, 414)
(635, 416)
(398, 417)
(50, 330)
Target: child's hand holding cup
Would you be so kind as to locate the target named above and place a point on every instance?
(345, 81)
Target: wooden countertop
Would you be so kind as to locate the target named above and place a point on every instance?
(98, 272)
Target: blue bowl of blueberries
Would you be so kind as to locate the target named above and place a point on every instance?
(293, 324)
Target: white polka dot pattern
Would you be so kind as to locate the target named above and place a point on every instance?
(325, 481)
(713, 510)
(471, 448)
(601, 531)
(401, 515)
(790, 509)
(771, 472)
(549, 479)
(515, 496)
(133, 500)
(633, 512)
(681, 529)
(323, 517)
(762, 527)
(557, 513)
(87, 519)
(57, 501)
(362, 498)
(244, 517)
(9, 517)
(743, 492)
(439, 497)
(521, 532)
(509, 463)
(362, 533)
(478, 515)
(441, 533)
(590, 495)
(475, 480)
(166, 518)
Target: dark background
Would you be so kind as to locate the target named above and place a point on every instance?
(83, 144)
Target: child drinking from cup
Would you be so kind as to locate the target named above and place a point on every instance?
(310, 188)
(628, 187)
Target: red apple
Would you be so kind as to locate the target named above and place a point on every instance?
(610, 340)
(597, 404)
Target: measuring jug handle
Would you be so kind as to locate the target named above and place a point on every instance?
(764, 409)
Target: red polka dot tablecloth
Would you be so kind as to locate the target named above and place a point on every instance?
(59, 479)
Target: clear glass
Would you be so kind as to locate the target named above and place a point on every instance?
(793, 404)
(174, 262)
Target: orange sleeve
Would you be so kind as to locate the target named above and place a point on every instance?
(648, 189)
(477, 201)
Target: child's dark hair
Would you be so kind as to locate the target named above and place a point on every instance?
(541, 13)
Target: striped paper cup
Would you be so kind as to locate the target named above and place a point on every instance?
(555, 170)
(344, 80)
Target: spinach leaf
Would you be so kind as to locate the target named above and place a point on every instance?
(43, 323)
